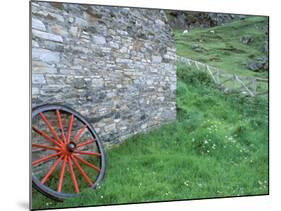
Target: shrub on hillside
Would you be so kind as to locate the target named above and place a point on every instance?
(190, 75)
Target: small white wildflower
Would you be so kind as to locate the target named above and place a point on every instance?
(101, 196)
(186, 183)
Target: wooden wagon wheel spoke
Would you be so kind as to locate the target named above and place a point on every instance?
(89, 141)
(87, 163)
(67, 152)
(44, 118)
(74, 181)
(44, 135)
(60, 125)
(45, 147)
(88, 153)
(62, 173)
(45, 178)
(71, 118)
(82, 171)
(78, 134)
(45, 158)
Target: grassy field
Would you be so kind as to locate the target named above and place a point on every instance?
(217, 146)
(221, 46)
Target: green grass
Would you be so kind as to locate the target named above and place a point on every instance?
(217, 146)
(223, 48)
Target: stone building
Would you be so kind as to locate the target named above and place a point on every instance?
(114, 65)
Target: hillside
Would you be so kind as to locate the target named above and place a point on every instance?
(233, 47)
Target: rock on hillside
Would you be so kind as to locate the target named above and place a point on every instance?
(189, 19)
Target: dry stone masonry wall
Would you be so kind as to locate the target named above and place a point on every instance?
(114, 65)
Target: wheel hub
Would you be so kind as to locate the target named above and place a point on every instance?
(71, 146)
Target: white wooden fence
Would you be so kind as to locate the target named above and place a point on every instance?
(229, 83)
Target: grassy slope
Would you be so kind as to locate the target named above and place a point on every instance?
(217, 147)
(223, 48)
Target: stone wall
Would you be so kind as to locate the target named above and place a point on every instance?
(114, 65)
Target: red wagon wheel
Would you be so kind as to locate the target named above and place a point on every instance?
(67, 155)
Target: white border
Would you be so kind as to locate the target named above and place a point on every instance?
(14, 116)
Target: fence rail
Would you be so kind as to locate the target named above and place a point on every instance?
(227, 82)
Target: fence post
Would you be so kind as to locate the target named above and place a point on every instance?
(196, 64)
(211, 73)
(218, 76)
(243, 85)
(254, 85)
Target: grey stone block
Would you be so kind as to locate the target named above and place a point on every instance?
(45, 55)
(100, 40)
(37, 24)
(156, 59)
(47, 36)
(38, 79)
